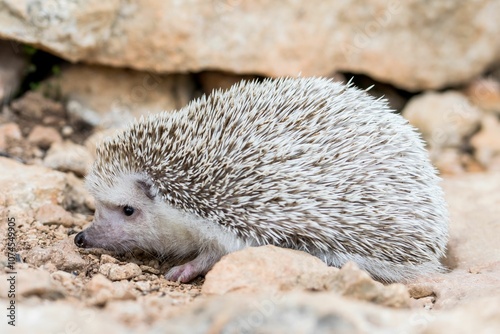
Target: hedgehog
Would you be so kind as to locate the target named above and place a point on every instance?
(304, 163)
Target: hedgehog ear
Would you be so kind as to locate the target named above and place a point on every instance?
(147, 188)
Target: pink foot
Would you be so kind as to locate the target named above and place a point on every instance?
(183, 273)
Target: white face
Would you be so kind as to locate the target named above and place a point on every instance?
(125, 218)
(132, 214)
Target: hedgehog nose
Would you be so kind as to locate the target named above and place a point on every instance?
(80, 240)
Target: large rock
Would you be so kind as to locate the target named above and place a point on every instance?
(473, 250)
(412, 44)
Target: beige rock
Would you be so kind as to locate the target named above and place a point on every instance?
(33, 106)
(116, 272)
(101, 290)
(355, 283)
(267, 268)
(485, 93)
(9, 131)
(486, 142)
(55, 214)
(36, 282)
(273, 270)
(43, 136)
(13, 64)
(447, 160)
(64, 317)
(473, 250)
(111, 97)
(409, 44)
(444, 119)
(63, 255)
(37, 186)
(105, 258)
(67, 156)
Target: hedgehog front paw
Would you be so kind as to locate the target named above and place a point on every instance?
(183, 273)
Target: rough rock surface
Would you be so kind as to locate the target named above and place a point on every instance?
(110, 97)
(447, 121)
(406, 43)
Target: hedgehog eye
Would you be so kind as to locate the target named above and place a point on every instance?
(128, 210)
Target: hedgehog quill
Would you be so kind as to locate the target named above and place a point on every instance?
(304, 163)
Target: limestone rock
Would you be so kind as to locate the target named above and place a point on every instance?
(485, 93)
(473, 250)
(63, 255)
(267, 268)
(409, 44)
(67, 156)
(37, 186)
(111, 97)
(274, 270)
(101, 290)
(56, 214)
(444, 119)
(43, 136)
(116, 272)
(9, 131)
(13, 64)
(486, 143)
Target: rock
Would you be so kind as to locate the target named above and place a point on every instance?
(268, 38)
(33, 106)
(55, 214)
(67, 156)
(444, 119)
(37, 186)
(65, 317)
(44, 137)
(485, 93)
(63, 255)
(105, 258)
(36, 282)
(116, 272)
(486, 142)
(265, 268)
(8, 132)
(111, 97)
(13, 65)
(101, 290)
(273, 270)
(355, 283)
(300, 312)
(473, 249)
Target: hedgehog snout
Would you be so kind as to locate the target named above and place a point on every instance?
(80, 240)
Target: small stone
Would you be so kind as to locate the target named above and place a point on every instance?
(116, 272)
(485, 93)
(143, 286)
(35, 282)
(44, 136)
(68, 157)
(105, 258)
(9, 131)
(54, 214)
(101, 290)
(444, 119)
(486, 142)
(63, 255)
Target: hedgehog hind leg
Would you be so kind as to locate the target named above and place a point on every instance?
(204, 261)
